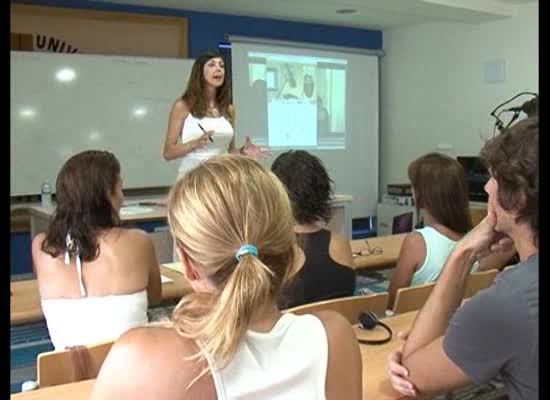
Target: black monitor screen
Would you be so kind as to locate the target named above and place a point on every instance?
(402, 223)
(477, 176)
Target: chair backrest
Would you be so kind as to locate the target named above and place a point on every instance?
(350, 307)
(477, 214)
(71, 365)
(479, 280)
(412, 298)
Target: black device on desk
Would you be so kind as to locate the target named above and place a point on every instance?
(402, 223)
(477, 176)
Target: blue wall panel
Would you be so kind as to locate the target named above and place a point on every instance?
(20, 253)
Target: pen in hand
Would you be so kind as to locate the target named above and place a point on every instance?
(209, 136)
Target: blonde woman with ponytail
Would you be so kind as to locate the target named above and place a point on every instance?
(233, 225)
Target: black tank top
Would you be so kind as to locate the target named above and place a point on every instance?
(320, 278)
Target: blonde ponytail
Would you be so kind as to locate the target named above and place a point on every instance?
(231, 201)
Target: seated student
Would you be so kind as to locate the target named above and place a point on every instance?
(232, 222)
(95, 279)
(326, 258)
(496, 331)
(440, 190)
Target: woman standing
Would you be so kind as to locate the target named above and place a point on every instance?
(204, 117)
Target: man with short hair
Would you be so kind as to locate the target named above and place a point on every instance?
(496, 331)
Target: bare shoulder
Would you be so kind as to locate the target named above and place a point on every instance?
(135, 234)
(123, 239)
(179, 108)
(137, 239)
(340, 249)
(151, 339)
(36, 251)
(38, 241)
(166, 373)
(344, 369)
(336, 325)
(413, 241)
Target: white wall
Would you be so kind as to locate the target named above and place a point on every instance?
(433, 89)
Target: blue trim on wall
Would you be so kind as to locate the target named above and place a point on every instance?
(206, 30)
(20, 253)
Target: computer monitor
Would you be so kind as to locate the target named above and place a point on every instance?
(402, 223)
(477, 176)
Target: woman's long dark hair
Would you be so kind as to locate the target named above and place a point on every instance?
(194, 95)
(440, 186)
(83, 190)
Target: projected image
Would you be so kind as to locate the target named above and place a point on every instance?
(296, 101)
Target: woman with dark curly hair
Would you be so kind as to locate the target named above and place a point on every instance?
(326, 260)
(204, 117)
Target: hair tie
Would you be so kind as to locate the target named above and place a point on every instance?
(246, 249)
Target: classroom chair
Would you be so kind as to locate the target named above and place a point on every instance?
(73, 364)
(349, 307)
(479, 280)
(412, 298)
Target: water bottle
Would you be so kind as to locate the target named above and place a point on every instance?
(27, 386)
(46, 195)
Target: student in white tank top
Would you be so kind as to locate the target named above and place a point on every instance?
(95, 279)
(202, 120)
(440, 190)
(234, 226)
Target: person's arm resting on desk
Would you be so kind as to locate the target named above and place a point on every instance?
(431, 371)
(440, 356)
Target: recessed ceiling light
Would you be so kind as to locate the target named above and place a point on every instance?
(94, 136)
(346, 11)
(140, 111)
(65, 75)
(27, 112)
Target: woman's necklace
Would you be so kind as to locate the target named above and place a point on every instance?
(212, 111)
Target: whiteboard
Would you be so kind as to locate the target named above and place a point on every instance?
(114, 103)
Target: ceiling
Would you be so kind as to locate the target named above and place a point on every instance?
(374, 14)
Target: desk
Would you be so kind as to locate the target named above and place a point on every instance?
(375, 383)
(40, 216)
(75, 391)
(162, 240)
(25, 302)
(390, 245)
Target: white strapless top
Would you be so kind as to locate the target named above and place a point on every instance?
(223, 134)
(89, 320)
